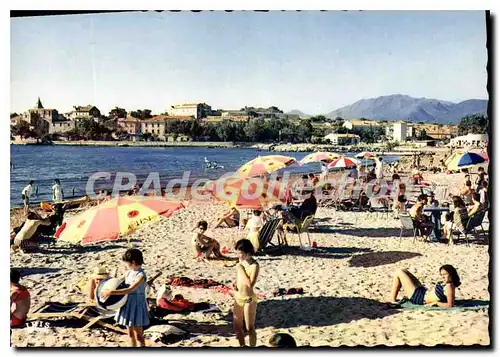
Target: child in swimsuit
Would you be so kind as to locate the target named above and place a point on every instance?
(443, 294)
(20, 300)
(245, 304)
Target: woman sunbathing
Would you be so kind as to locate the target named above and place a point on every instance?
(231, 218)
(204, 246)
(443, 294)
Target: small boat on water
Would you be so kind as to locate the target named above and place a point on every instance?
(74, 203)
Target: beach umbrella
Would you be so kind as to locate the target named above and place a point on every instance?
(451, 157)
(465, 160)
(481, 153)
(366, 155)
(114, 218)
(343, 162)
(262, 165)
(247, 193)
(319, 156)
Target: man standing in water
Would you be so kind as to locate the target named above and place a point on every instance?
(25, 194)
(57, 192)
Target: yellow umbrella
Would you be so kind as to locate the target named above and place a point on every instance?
(114, 218)
(264, 165)
(247, 193)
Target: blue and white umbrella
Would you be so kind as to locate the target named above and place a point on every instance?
(465, 160)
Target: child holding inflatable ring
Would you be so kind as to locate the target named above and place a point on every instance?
(134, 314)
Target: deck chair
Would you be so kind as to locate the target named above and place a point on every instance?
(407, 223)
(470, 226)
(380, 206)
(267, 232)
(78, 310)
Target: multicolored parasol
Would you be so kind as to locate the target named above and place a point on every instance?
(114, 218)
(343, 162)
(464, 160)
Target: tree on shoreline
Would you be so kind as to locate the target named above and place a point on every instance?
(473, 124)
(117, 113)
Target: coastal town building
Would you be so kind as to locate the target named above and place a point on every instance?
(400, 131)
(16, 120)
(82, 112)
(130, 125)
(196, 110)
(343, 139)
(61, 125)
(157, 125)
(360, 124)
(475, 140)
(40, 118)
(236, 115)
(435, 131)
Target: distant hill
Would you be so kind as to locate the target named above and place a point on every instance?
(299, 113)
(404, 107)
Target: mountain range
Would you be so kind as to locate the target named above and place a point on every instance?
(403, 107)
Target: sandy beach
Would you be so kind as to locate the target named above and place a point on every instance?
(346, 283)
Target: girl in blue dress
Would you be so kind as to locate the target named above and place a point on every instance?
(134, 314)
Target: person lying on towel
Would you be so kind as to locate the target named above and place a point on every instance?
(203, 245)
(20, 300)
(443, 294)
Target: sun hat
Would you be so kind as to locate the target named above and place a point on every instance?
(100, 272)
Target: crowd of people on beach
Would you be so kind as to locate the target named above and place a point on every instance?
(135, 313)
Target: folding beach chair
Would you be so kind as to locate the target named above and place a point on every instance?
(80, 311)
(267, 232)
(380, 205)
(407, 223)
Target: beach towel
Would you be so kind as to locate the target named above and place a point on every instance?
(171, 307)
(193, 283)
(464, 305)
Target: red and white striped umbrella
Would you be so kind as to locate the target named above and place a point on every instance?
(343, 162)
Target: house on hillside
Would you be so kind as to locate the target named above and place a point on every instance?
(196, 110)
(360, 124)
(83, 112)
(343, 139)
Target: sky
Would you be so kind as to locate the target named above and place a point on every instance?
(312, 61)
